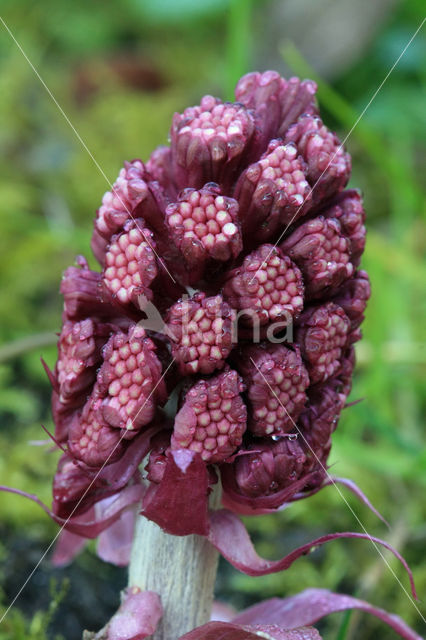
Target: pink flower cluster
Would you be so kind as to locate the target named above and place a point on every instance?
(242, 236)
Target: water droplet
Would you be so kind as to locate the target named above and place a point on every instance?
(276, 438)
(292, 436)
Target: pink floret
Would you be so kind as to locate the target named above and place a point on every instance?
(266, 288)
(213, 418)
(276, 381)
(201, 333)
(129, 381)
(323, 336)
(322, 253)
(130, 264)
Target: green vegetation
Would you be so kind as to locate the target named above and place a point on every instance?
(119, 75)
(17, 626)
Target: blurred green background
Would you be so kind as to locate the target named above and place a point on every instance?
(119, 71)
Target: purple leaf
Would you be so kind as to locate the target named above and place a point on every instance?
(248, 509)
(78, 525)
(117, 474)
(353, 487)
(115, 543)
(246, 505)
(67, 546)
(84, 487)
(137, 617)
(178, 504)
(227, 631)
(230, 537)
(313, 604)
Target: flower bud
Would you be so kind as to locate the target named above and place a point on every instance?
(84, 295)
(277, 102)
(321, 252)
(204, 226)
(317, 423)
(158, 168)
(348, 210)
(322, 334)
(273, 192)
(201, 331)
(79, 353)
(352, 296)
(213, 418)
(118, 205)
(129, 381)
(91, 439)
(329, 166)
(342, 382)
(130, 264)
(208, 142)
(269, 466)
(267, 287)
(276, 381)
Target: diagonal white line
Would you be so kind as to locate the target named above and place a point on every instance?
(80, 139)
(377, 548)
(339, 149)
(80, 501)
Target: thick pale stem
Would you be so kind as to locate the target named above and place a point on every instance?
(181, 569)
